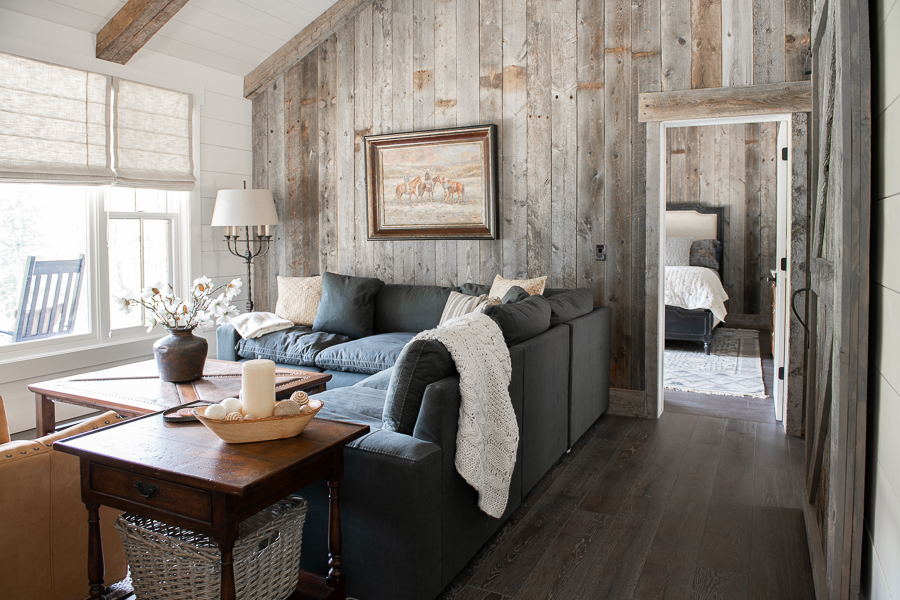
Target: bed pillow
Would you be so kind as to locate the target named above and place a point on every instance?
(298, 298)
(678, 251)
(532, 286)
(421, 363)
(706, 253)
(347, 306)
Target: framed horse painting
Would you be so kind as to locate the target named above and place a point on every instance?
(433, 184)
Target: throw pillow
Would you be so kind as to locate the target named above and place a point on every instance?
(515, 294)
(532, 286)
(459, 305)
(705, 253)
(474, 289)
(678, 251)
(421, 363)
(522, 320)
(298, 298)
(566, 305)
(348, 305)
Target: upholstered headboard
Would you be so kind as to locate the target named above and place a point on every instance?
(697, 222)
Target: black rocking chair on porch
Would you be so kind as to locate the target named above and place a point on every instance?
(49, 298)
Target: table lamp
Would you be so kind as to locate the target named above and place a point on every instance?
(248, 209)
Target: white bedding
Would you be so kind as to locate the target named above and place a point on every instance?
(696, 287)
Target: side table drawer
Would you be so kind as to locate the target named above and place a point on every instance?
(149, 491)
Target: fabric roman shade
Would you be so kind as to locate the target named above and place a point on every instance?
(53, 124)
(152, 136)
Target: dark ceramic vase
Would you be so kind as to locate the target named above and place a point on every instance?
(181, 355)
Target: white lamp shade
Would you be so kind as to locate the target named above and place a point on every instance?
(244, 207)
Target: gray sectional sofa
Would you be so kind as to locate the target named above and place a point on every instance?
(410, 521)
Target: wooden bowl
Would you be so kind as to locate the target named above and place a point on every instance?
(260, 430)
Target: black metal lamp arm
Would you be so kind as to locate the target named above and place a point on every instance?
(262, 248)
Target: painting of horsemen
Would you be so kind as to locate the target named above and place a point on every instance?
(433, 184)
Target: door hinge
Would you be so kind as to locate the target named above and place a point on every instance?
(784, 154)
(781, 373)
(784, 264)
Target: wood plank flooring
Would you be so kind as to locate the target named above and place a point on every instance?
(691, 506)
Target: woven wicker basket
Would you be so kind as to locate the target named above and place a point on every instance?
(170, 562)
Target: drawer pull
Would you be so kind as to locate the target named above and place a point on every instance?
(147, 490)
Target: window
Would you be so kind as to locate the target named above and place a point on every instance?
(130, 238)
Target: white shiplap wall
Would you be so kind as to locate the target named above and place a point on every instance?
(882, 535)
(222, 159)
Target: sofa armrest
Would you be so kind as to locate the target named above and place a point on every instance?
(227, 338)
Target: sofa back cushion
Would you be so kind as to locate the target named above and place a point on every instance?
(421, 363)
(294, 346)
(566, 305)
(366, 355)
(348, 305)
(400, 307)
(522, 320)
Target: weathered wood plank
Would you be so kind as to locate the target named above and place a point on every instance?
(537, 86)
(491, 110)
(308, 156)
(618, 284)
(706, 49)
(284, 255)
(742, 101)
(692, 163)
(752, 290)
(362, 123)
(707, 165)
(676, 168)
(467, 113)
(676, 45)
(327, 103)
(768, 40)
(514, 189)
(736, 218)
(299, 46)
(382, 110)
(133, 26)
(737, 43)
(590, 201)
(796, 40)
(346, 167)
(404, 101)
(264, 294)
(423, 113)
(445, 100)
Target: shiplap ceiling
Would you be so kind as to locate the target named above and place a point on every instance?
(230, 35)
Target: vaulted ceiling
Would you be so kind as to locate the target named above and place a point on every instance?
(230, 35)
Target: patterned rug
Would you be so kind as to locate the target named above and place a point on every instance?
(733, 367)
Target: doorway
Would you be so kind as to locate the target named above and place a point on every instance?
(750, 194)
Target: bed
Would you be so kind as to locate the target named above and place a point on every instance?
(694, 294)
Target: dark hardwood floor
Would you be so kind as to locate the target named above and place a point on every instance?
(703, 503)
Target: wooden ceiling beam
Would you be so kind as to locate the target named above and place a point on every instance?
(133, 26)
(741, 101)
(300, 45)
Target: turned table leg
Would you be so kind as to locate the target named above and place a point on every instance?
(95, 552)
(45, 411)
(335, 577)
(228, 590)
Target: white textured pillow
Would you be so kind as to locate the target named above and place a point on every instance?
(459, 305)
(532, 286)
(678, 251)
(298, 299)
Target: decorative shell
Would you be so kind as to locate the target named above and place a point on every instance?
(231, 405)
(215, 411)
(300, 398)
(234, 416)
(249, 417)
(287, 407)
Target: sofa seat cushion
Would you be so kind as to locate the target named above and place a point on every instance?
(566, 305)
(366, 355)
(297, 345)
(401, 307)
(340, 379)
(522, 320)
(347, 306)
(353, 404)
(378, 381)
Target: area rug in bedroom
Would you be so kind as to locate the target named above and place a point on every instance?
(732, 368)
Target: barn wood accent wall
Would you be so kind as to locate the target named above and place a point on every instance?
(561, 79)
(732, 166)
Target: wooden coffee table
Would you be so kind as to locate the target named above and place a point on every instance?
(183, 475)
(136, 389)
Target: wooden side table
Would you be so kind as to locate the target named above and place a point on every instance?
(136, 389)
(183, 475)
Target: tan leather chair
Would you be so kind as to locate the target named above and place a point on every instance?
(43, 523)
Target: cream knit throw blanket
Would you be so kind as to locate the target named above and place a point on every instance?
(488, 434)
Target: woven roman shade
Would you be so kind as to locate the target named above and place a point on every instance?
(152, 137)
(53, 124)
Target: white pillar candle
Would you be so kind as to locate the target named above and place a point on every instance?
(258, 387)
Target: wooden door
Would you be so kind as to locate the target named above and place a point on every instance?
(837, 305)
